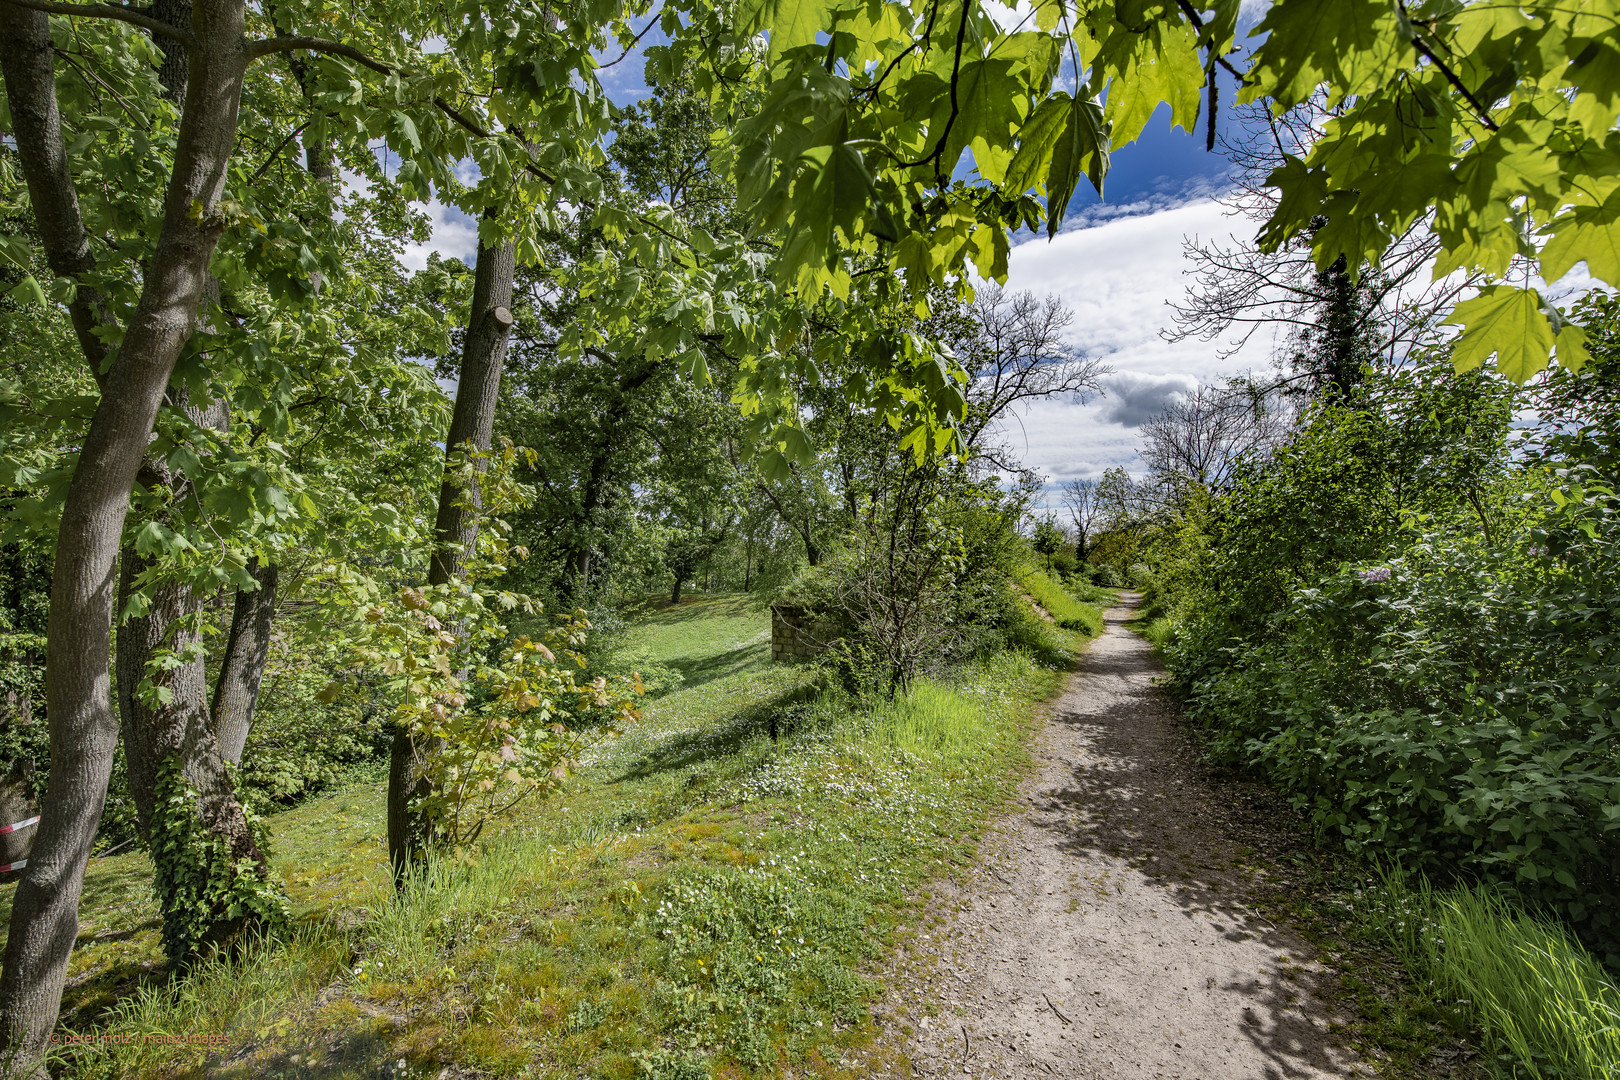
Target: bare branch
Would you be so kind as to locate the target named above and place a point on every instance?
(1204, 436)
(1016, 353)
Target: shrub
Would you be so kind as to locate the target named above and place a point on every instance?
(656, 679)
(1108, 576)
(1139, 576)
(300, 745)
(1455, 707)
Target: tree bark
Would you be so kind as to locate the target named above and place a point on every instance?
(27, 59)
(489, 327)
(82, 726)
(236, 693)
(472, 425)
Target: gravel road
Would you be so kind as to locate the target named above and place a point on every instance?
(1105, 934)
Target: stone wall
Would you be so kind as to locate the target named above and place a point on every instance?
(798, 635)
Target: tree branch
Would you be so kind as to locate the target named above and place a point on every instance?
(1198, 25)
(633, 43)
(1481, 113)
(950, 122)
(349, 52)
(106, 11)
(269, 46)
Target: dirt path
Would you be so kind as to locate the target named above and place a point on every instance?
(1107, 935)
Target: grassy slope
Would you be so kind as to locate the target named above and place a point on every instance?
(699, 893)
(707, 637)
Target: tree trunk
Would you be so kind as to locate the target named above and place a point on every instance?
(812, 553)
(675, 593)
(179, 729)
(472, 425)
(591, 499)
(154, 729)
(83, 729)
(489, 327)
(236, 694)
(594, 495)
(27, 58)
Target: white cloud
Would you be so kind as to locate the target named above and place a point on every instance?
(455, 235)
(1119, 277)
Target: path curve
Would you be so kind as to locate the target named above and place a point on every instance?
(1107, 935)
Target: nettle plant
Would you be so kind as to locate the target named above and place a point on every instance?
(495, 717)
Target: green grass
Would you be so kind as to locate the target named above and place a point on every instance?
(1153, 622)
(701, 898)
(934, 720)
(1069, 613)
(1547, 1008)
(704, 637)
(1158, 631)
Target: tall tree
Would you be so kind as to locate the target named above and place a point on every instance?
(1205, 435)
(83, 727)
(1080, 499)
(455, 531)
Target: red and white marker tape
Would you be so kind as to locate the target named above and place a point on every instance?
(11, 829)
(20, 825)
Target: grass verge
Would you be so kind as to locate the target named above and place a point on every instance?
(704, 900)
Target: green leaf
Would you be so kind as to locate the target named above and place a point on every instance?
(1596, 71)
(27, 291)
(793, 23)
(989, 100)
(17, 251)
(1353, 46)
(1589, 234)
(1572, 351)
(1304, 190)
(1036, 139)
(1081, 148)
(835, 189)
(1158, 65)
(1508, 322)
(794, 444)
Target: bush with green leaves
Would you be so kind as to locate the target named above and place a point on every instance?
(300, 745)
(920, 585)
(1413, 630)
(1455, 707)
